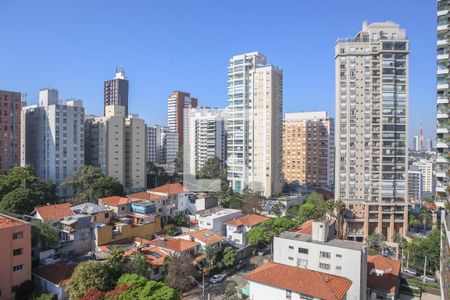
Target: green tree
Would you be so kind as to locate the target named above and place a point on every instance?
(45, 296)
(116, 263)
(180, 272)
(419, 248)
(139, 287)
(251, 203)
(47, 236)
(277, 209)
(264, 232)
(212, 254)
(180, 219)
(229, 257)
(106, 187)
(230, 291)
(413, 222)
(179, 161)
(213, 168)
(25, 290)
(83, 181)
(90, 275)
(314, 207)
(137, 264)
(375, 243)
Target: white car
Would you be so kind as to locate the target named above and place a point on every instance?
(217, 278)
(410, 272)
(429, 279)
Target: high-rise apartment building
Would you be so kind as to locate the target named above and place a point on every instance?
(169, 146)
(426, 168)
(415, 185)
(52, 138)
(117, 145)
(177, 103)
(10, 106)
(308, 149)
(206, 137)
(371, 130)
(254, 124)
(443, 93)
(154, 143)
(416, 145)
(116, 91)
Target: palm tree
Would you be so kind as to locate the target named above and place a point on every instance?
(413, 222)
(211, 252)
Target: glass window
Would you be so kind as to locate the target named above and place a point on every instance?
(17, 235)
(303, 250)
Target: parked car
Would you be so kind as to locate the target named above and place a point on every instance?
(217, 278)
(239, 265)
(410, 272)
(429, 278)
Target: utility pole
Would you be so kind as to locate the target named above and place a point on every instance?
(424, 269)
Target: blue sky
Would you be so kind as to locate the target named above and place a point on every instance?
(185, 45)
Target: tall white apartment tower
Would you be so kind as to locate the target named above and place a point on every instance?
(254, 124)
(206, 137)
(52, 138)
(443, 94)
(372, 129)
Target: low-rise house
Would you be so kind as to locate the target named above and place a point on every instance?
(277, 281)
(320, 251)
(237, 229)
(177, 247)
(127, 227)
(53, 279)
(99, 214)
(215, 218)
(278, 206)
(119, 205)
(15, 254)
(383, 277)
(155, 257)
(204, 201)
(53, 212)
(75, 234)
(204, 237)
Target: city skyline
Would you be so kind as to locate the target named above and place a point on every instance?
(155, 70)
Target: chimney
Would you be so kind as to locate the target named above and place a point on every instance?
(320, 231)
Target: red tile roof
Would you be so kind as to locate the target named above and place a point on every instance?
(145, 196)
(390, 276)
(247, 220)
(299, 280)
(155, 256)
(173, 244)
(7, 221)
(54, 211)
(114, 200)
(305, 228)
(204, 235)
(58, 274)
(170, 188)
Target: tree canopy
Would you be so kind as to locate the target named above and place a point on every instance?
(229, 257)
(47, 236)
(21, 191)
(90, 184)
(264, 232)
(314, 207)
(90, 275)
(419, 248)
(180, 219)
(180, 272)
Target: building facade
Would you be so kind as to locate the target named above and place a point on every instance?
(169, 146)
(154, 144)
(15, 261)
(254, 124)
(442, 94)
(428, 182)
(308, 149)
(116, 91)
(318, 251)
(117, 145)
(10, 121)
(372, 129)
(415, 185)
(206, 136)
(52, 138)
(177, 103)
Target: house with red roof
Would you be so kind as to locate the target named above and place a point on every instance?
(277, 281)
(383, 277)
(238, 228)
(53, 279)
(204, 237)
(52, 212)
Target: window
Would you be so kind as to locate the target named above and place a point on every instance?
(338, 255)
(291, 247)
(18, 251)
(106, 215)
(290, 258)
(288, 294)
(303, 250)
(338, 268)
(17, 235)
(17, 268)
(325, 254)
(324, 266)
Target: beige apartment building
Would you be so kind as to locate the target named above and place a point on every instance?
(308, 149)
(254, 124)
(372, 129)
(117, 145)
